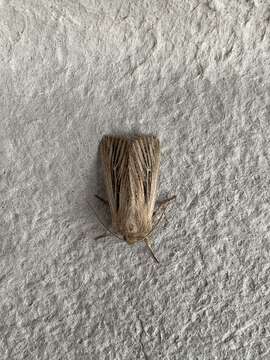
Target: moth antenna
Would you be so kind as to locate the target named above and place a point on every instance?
(101, 222)
(151, 250)
(156, 224)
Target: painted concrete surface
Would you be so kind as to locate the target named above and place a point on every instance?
(196, 74)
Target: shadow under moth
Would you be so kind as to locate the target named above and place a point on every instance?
(131, 171)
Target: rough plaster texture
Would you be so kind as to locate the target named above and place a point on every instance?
(196, 73)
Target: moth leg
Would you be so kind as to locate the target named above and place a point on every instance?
(164, 203)
(102, 200)
(102, 236)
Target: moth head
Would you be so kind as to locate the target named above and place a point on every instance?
(132, 238)
(131, 232)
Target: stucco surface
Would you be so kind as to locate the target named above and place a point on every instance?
(195, 73)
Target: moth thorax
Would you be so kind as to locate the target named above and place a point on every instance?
(131, 227)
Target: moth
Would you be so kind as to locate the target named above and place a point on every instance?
(131, 170)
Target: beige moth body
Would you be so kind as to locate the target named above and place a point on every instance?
(131, 171)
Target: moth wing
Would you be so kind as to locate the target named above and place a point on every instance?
(114, 155)
(144, 161)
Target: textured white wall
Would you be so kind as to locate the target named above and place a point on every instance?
(196, 73)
